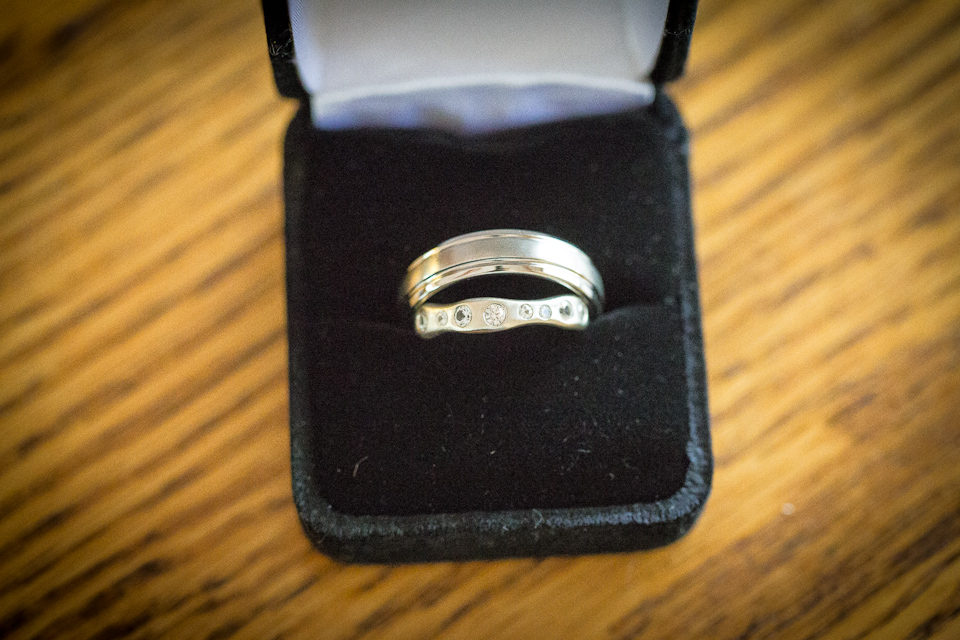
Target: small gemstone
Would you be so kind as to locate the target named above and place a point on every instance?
(526, 311)
(421, 321)
(495, 314)
(441, 318)
(566, 310)
(462, 315)
(582, 310)
(545, 311)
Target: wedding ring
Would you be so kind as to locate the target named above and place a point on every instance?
(502, 252)
(483, 315)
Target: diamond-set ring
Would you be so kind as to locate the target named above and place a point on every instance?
(502, 251)
(483, 315)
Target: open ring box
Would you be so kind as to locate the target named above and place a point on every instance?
(423, 120)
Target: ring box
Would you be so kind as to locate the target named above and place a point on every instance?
(420, 124)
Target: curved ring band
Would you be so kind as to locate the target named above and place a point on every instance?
(503, 251)
(483, 315)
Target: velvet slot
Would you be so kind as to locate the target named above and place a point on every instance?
(527, 442)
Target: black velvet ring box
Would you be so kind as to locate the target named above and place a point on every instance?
(528, 442)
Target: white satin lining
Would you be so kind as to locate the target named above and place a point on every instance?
(478, 104)
(473, 66)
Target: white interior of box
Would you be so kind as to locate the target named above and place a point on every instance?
(473, 66)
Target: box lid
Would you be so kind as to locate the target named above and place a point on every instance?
(490, 65)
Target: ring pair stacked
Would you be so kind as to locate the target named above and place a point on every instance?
(502, 251)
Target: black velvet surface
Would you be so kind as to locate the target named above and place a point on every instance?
(677, 31)
(530, 441)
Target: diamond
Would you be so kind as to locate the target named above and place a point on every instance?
(462, 315)
(495, 314)
(421, 321)
(566, 310)
(525, 311)
(441, 318)
(545, 311)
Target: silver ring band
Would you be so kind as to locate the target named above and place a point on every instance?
(503, 251)
(483, 315)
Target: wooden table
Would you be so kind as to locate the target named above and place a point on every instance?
(144, 482)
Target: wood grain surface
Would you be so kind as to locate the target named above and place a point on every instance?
(144, 464)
